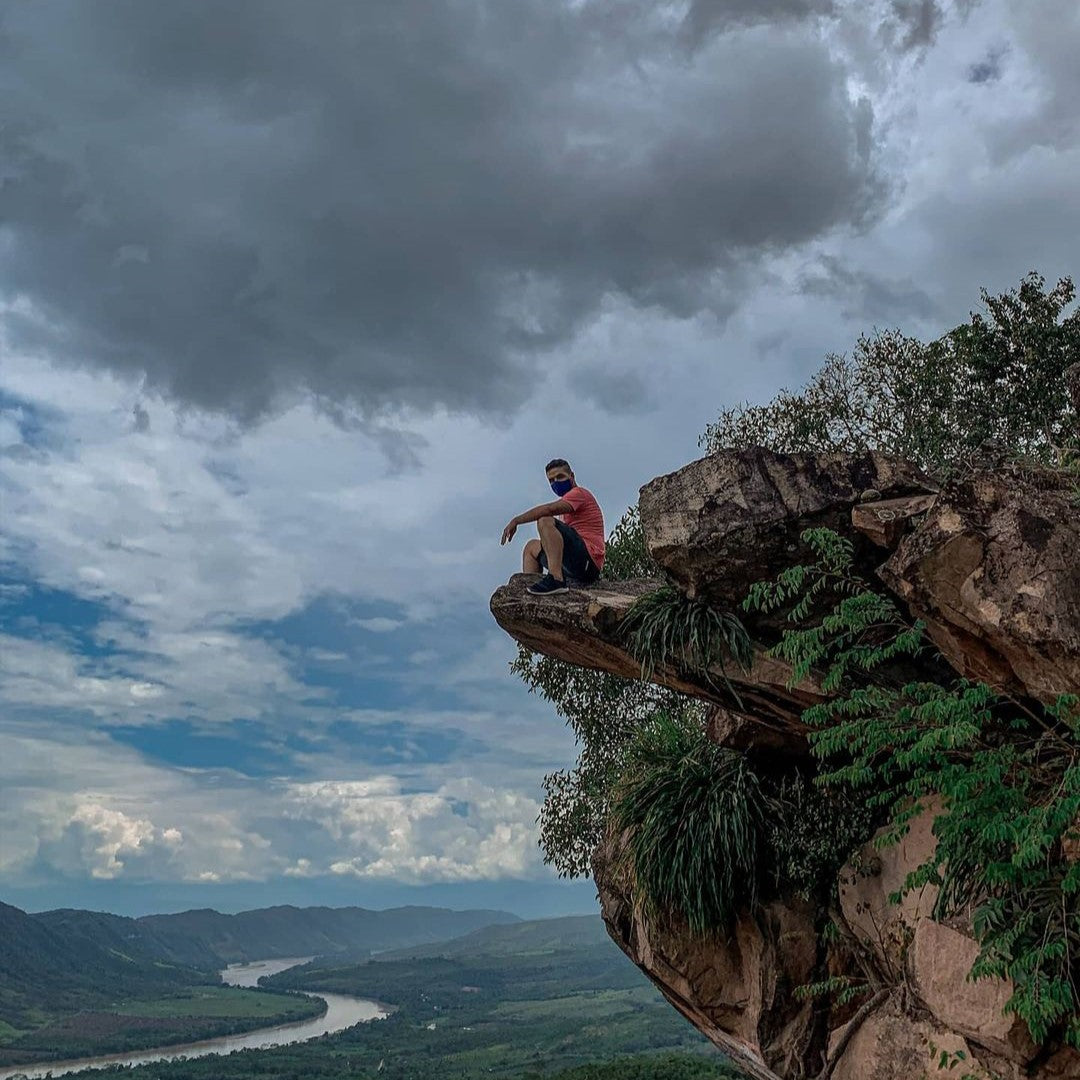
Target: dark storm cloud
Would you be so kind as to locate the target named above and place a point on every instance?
(390, 204)
(989, 68)
(617, 392)
(917, 22)
(706, 17)
(864, 295)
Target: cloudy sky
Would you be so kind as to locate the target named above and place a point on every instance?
(297, 299)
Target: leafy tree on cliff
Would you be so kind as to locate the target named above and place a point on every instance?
(999, 377)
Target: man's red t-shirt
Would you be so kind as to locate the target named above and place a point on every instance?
(587, 520)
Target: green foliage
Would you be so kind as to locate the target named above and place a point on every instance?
(812, 832)
(1008, 776)
(626, 555)
(998, 377)
(842, 989)
(695, 815)
(603, 711)
(666, 627)
(657, 1067)
(140, 1023)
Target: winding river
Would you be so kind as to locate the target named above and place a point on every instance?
(342, 1012)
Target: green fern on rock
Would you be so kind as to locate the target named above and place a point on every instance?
(1007, 772)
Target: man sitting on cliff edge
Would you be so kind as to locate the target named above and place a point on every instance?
(571, 528)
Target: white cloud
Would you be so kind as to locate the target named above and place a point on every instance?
(109, 840)
(464, 831)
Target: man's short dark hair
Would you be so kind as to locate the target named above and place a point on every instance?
(558, 463)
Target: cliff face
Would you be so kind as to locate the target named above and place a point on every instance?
(991, 564)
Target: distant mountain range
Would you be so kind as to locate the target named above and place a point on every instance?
(208, 940)
(75, 959)
(311, 931)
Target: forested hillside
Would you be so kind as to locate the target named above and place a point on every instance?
(47, 967)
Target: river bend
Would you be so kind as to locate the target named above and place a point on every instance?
(342, 1011)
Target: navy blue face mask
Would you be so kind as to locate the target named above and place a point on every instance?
(561, 487)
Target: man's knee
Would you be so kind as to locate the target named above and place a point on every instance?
(545, 524)
(533, 548)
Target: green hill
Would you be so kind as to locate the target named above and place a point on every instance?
(47, 967)
(525, 938)
(129, 936)
(312, 931)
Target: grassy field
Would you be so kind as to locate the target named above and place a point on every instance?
(211, 1001)
(187, 1015)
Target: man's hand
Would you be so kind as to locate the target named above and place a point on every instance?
(508, 532)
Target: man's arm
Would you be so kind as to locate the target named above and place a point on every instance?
(559, 506)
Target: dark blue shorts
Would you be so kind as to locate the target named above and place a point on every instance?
(576, 561)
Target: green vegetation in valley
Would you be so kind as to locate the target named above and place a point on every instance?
(223, 1001)
(655, 1067)
(76, 983)
(516, 1002)
(47, 973)
(202, 1012)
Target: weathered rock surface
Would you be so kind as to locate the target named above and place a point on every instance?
(890, 1044)
(735, 990)
(732, 518)
(992, 563)
(885, 521)
(938, 962)
(883, 928)
(995, 572)
(583, 627)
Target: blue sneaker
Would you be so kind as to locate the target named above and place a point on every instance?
(548, 585)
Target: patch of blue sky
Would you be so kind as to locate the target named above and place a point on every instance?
(389, 743)
(251, 747)
(330, 624)
(35, 423)
(356, 650)
(31, 610)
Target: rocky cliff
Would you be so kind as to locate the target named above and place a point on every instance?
(990, 563)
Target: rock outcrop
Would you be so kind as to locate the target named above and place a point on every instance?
(994, 570)
(991, 562)
(733, 518)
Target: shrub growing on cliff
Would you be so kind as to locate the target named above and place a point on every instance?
(999, 376)
(603, 711)
(666, 627)
(812, 832)
(694, 815)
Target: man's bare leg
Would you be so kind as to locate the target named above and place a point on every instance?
(552, 542)
(530, 557)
